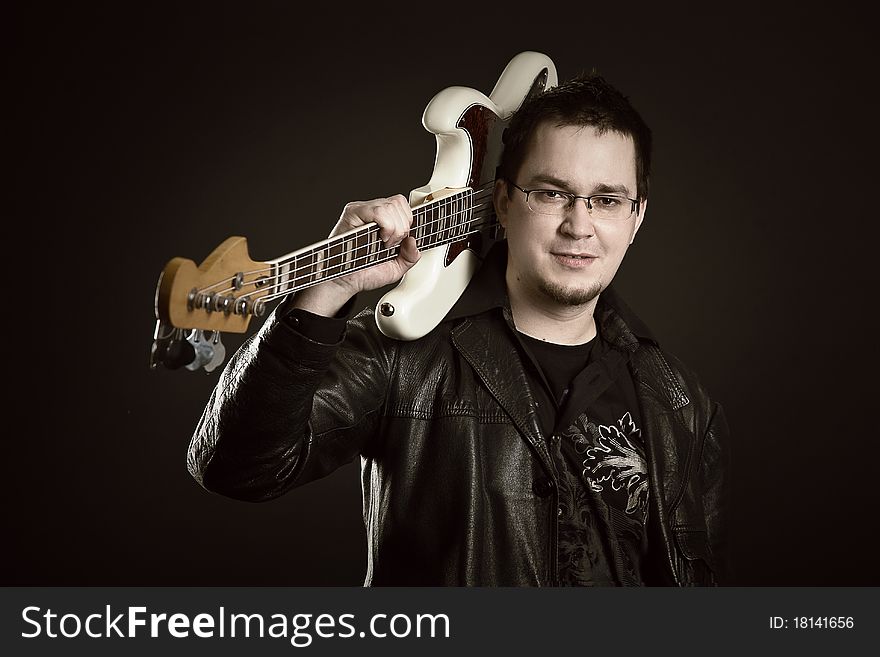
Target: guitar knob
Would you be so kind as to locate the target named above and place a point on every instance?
(386, 309)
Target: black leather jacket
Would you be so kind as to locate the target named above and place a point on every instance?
(459, 487)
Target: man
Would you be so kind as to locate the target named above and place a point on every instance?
(537, 436)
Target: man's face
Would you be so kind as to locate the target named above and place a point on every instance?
(572, 159)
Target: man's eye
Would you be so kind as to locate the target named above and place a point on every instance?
(606, 201)
(550, 196)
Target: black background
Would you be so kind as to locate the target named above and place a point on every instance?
(135, 135)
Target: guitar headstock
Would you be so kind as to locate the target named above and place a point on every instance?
(196, 303)
(221, 294)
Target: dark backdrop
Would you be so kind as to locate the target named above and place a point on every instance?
(136, 135)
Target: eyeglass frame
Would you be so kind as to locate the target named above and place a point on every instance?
(574, 198)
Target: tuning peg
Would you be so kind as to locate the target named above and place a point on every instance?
(169, 349)
(203, 352)
(219, 353)
(178, 354)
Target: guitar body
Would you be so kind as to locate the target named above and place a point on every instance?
(468, 126)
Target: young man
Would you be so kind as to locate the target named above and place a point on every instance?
(537, 436)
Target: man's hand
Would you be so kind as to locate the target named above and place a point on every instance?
(394, 217)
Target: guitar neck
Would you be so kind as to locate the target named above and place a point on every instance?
(435, 223)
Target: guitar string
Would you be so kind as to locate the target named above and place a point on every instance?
(293, 284)
(341, 260)
(372, 228)
(343, 272)
(329, 261)
(362, 253)
(277, 295)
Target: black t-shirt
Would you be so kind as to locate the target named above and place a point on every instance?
(589, 413)
(559, 362)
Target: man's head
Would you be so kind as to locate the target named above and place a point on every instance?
(585, 101)
(582, 138)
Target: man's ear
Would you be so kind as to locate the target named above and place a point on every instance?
(499, 196)
(640, 217)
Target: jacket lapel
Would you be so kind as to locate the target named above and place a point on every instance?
(669, 444)
(668, 440)
(484, 342)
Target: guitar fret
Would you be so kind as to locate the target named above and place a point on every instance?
(312, 266)
(437, 227)
(447, 219)
(453, 217)
(284, 277)
(418, 226)
(353, 255)
(275, 280)
(374, 245)
(295, 268)
(426, 228)
(332, 254)
(469, 213)
(345, 259)
(361, 242)
(438, 221)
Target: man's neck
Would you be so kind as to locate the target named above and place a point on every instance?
(546, 320)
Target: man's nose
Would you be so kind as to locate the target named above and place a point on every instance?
(578, 221)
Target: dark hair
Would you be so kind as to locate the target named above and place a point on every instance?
(587, 100)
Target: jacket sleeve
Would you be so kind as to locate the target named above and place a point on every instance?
(288, 410)
(688, 452)
(716, 476)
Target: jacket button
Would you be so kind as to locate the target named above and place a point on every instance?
(542, 487)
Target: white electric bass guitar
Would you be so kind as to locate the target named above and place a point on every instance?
(453, 217)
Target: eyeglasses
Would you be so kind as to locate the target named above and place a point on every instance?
(556, 203)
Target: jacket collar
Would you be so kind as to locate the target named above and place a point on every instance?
(488, 290)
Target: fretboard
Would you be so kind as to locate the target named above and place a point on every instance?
(435, 223)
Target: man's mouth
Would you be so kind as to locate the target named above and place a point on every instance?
(574, 259)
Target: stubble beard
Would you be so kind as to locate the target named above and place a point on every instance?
(570, 296)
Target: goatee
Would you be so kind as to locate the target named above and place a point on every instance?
(570, 296)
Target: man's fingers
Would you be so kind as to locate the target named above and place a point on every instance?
(409, 252)
(404, 214)
(392, 215)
